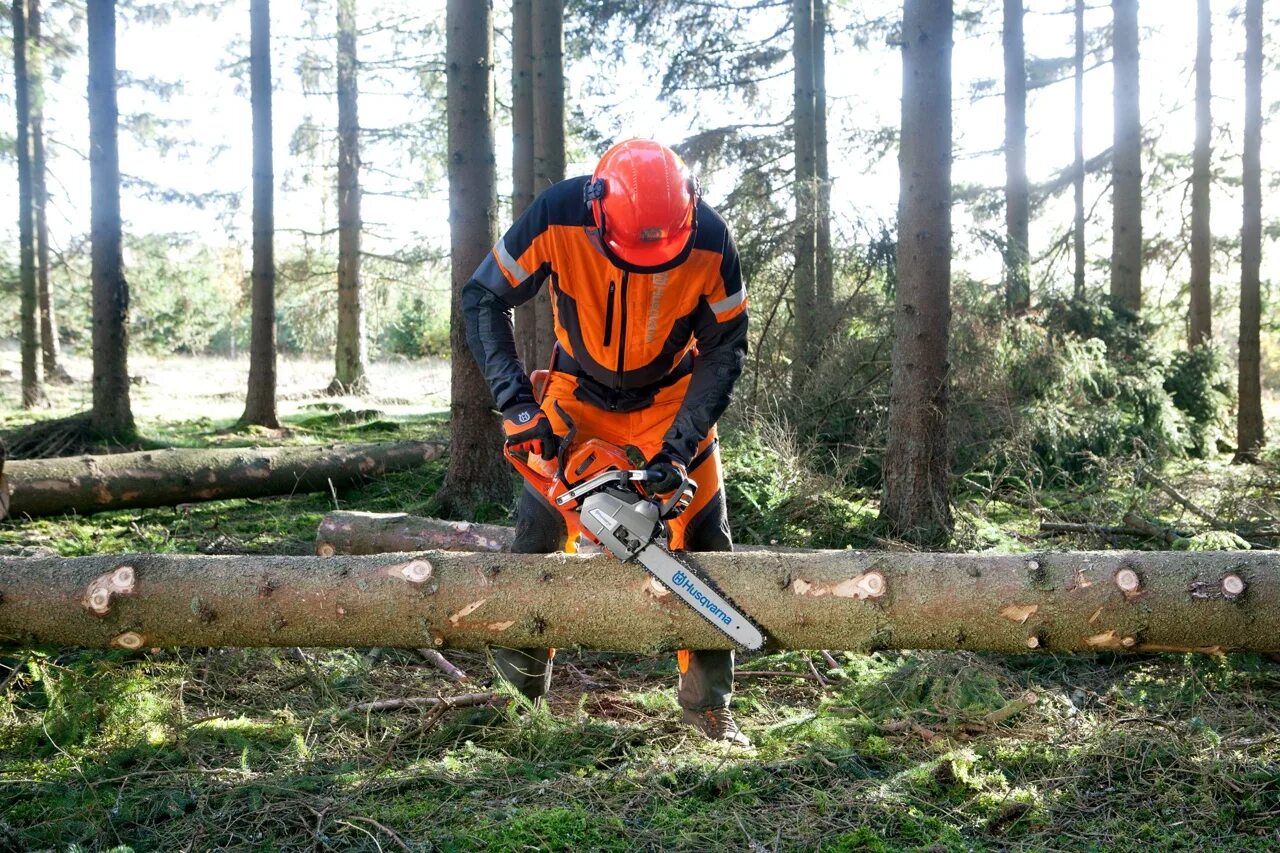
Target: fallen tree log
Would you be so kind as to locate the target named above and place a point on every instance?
(388, 533)
(88, 484)
(861, 601)
(342, 532)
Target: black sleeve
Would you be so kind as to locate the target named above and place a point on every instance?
(491, 338)
(722, 347)
(499, 284)
(722, 353)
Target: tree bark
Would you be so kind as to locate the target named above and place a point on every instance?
(848, 600)
(50, 347)
(915, 503)
(1249, 424)
(32, 386)
(88, 484)
(111, 417)
(477, 472)
(1078, 176)
(1126, 204)
(1017, 202)
(804, 353)
(522, 161)
(351, 357)
(547, 24)
(1201, 313)
(390, 533)
(260, 401)
(824, 263)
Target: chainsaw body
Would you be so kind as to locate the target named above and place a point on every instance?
(592, 485)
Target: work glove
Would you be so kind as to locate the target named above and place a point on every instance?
(667, 472)
(528, 430)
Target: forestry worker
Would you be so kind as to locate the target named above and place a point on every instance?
(651, 334)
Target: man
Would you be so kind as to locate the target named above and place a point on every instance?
(651, 334)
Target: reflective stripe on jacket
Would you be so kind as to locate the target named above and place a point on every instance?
(626, 333)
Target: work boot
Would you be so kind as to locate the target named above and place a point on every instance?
(717, 724)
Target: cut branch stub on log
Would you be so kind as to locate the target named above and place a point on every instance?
(1186, 601)
(88, 484)
(383, 533)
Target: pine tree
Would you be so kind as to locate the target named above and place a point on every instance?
(260, 402)
(1249, 424)
(805, 276)
(112, 414)
(915, 503)
(477, 472)
(1017, 282)
(32, 386)
(522, 162)
(50, 347)
(1078, 171)
(1201, 314)
(1126, 204)
(548, 133)
(350, 353)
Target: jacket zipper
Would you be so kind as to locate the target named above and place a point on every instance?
(622, 325)
(608, 317)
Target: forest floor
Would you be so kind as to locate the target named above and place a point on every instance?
(200, 749)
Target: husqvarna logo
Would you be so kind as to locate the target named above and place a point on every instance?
(524, 417)
(682, 581)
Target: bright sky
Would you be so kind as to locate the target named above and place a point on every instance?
(864, 84)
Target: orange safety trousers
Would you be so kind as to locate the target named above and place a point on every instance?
(643, 430)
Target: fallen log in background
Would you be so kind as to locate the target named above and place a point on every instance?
(1085, 601)
(386, 533)
(88, 484)
(343, 532)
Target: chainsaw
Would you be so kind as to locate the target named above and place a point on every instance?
(601, 497)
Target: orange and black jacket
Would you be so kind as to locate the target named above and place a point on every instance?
(625, 333)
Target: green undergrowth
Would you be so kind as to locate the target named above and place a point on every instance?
(255, 750)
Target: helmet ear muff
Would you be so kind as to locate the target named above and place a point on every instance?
(592, 194)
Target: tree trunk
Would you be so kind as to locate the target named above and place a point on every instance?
(477, 472)
(50, 348)
(32, 386)
(915, 503)
(522, 162)
(1249, 425)
(1078, 176)
(1201, 313)
(861, 601)
(88, 484)
(804, 353)
(1017, 202)
(1126, 204)
(351, 359)
(547, 24)
(260, 401)
(824, 269)
(389, 533)
(111, 418)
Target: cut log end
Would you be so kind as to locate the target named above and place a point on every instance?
(1233, 586)
(131, 640)
(1128, 581)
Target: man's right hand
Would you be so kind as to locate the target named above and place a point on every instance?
(528, 430)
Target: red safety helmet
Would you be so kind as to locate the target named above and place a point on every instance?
(643, 198)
